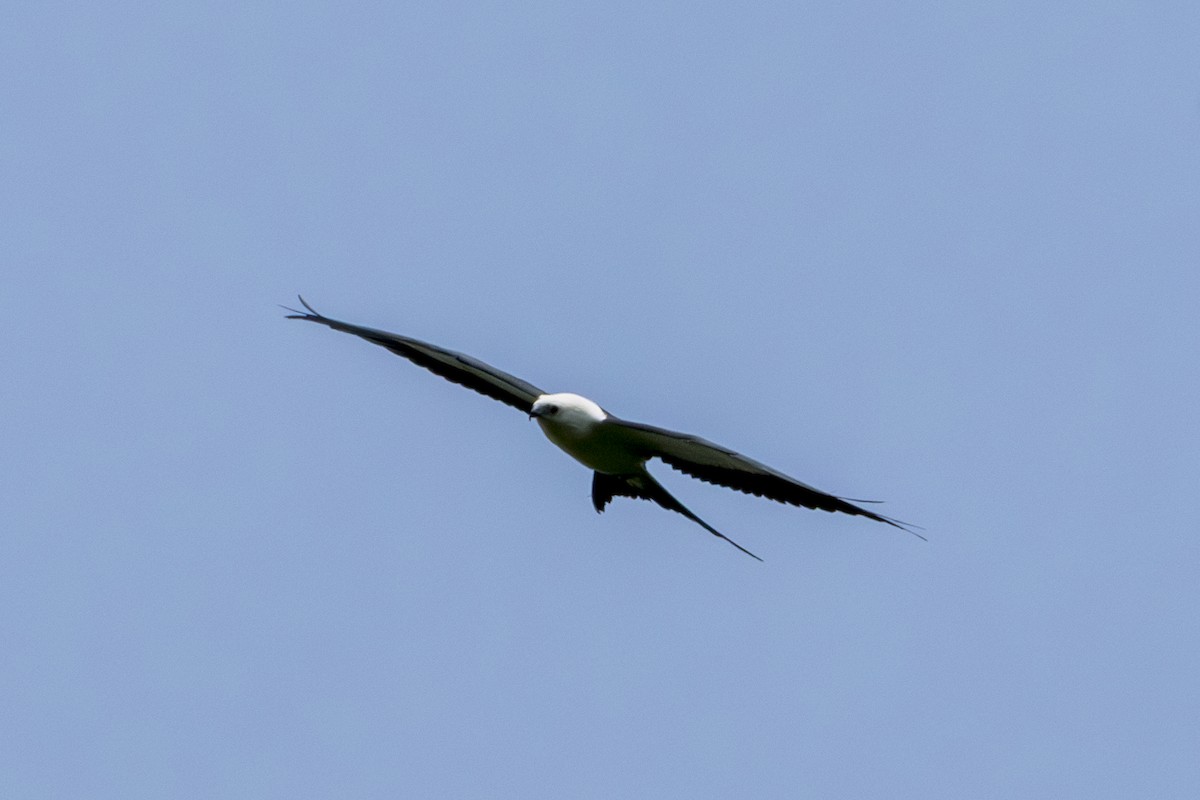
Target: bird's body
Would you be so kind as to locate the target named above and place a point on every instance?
(577, 426)
(616, 450)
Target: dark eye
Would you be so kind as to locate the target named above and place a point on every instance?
(552, 410)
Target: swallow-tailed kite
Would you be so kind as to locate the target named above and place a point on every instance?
(614, 449)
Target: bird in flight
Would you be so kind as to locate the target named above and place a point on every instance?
(616, 450)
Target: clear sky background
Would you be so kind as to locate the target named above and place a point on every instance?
(943, 256)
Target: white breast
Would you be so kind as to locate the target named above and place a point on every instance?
(578, 429)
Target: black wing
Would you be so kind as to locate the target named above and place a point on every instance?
(710, 462)
(454, 367)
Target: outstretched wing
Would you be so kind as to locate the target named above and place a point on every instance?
(710, 462)
(454, 367)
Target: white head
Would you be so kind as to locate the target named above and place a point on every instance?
(566, 410)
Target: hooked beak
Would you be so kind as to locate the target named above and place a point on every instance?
(536, 412)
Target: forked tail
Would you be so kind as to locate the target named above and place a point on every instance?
(643, 486)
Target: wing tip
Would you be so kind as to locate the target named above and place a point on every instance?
(309, 313)
(907, 527)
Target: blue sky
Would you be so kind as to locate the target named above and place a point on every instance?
(944, 256)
